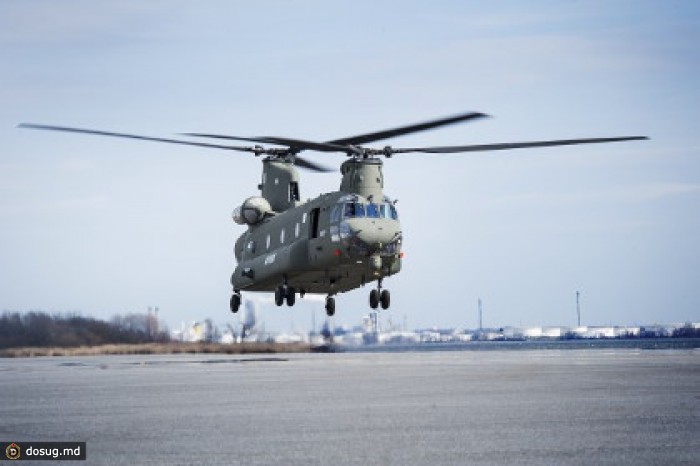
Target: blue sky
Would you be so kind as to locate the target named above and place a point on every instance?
(106, 226)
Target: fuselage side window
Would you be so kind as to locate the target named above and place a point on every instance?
(282, 236)
(267, 242)
(250, 247)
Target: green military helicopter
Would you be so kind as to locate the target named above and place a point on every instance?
(338, 241)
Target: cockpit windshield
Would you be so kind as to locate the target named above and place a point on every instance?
(373, 211)
(370, 210)
(389, 211)
(354, 209)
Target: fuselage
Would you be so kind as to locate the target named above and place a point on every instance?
(331, 244)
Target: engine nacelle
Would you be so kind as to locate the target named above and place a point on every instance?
(252, 211)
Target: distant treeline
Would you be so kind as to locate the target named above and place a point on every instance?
(40, 329)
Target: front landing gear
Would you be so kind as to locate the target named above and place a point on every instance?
(379, 296)
(385, 299)
(235, 301)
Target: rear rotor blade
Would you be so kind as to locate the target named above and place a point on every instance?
(133, 136)
(304, 163)
(511, 145)
(414, 128)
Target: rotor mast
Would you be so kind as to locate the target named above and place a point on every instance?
(280, 184)
(363, 176)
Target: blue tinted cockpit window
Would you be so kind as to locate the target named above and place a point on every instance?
(359, 210)
(354, 209)
(373, 211)
(349, 210)
(389, 211)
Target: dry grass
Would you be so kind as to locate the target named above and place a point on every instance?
(158, 348)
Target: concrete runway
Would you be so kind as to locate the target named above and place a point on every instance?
(604, 406)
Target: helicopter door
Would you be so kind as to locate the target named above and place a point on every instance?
(315, 241)
(313, 223)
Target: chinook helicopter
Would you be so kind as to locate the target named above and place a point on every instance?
(338, 241)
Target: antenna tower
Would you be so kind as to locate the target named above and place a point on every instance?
(578, 307)
(481, 326)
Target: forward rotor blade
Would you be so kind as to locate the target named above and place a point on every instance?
(390, 133)
(513, 145)
(132, 136)
(289, 142)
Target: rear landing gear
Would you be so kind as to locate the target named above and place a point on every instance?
(279, 295)
(330, 306)
(379, 296)
(374, 299)
(284, 293)
(291, 297)
(235, 301)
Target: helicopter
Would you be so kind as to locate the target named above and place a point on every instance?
(338, 241)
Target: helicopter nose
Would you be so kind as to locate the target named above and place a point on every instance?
(374, 235)
(377, 236)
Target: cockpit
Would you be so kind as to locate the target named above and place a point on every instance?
(352, 223)
(369, 210)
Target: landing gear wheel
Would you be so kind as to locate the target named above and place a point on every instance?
(330, 306)
(385, 299)
(374, 299)
(291, 296)
(235, 302)
(279, 295)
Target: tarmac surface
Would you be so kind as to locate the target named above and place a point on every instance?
(598, 406)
